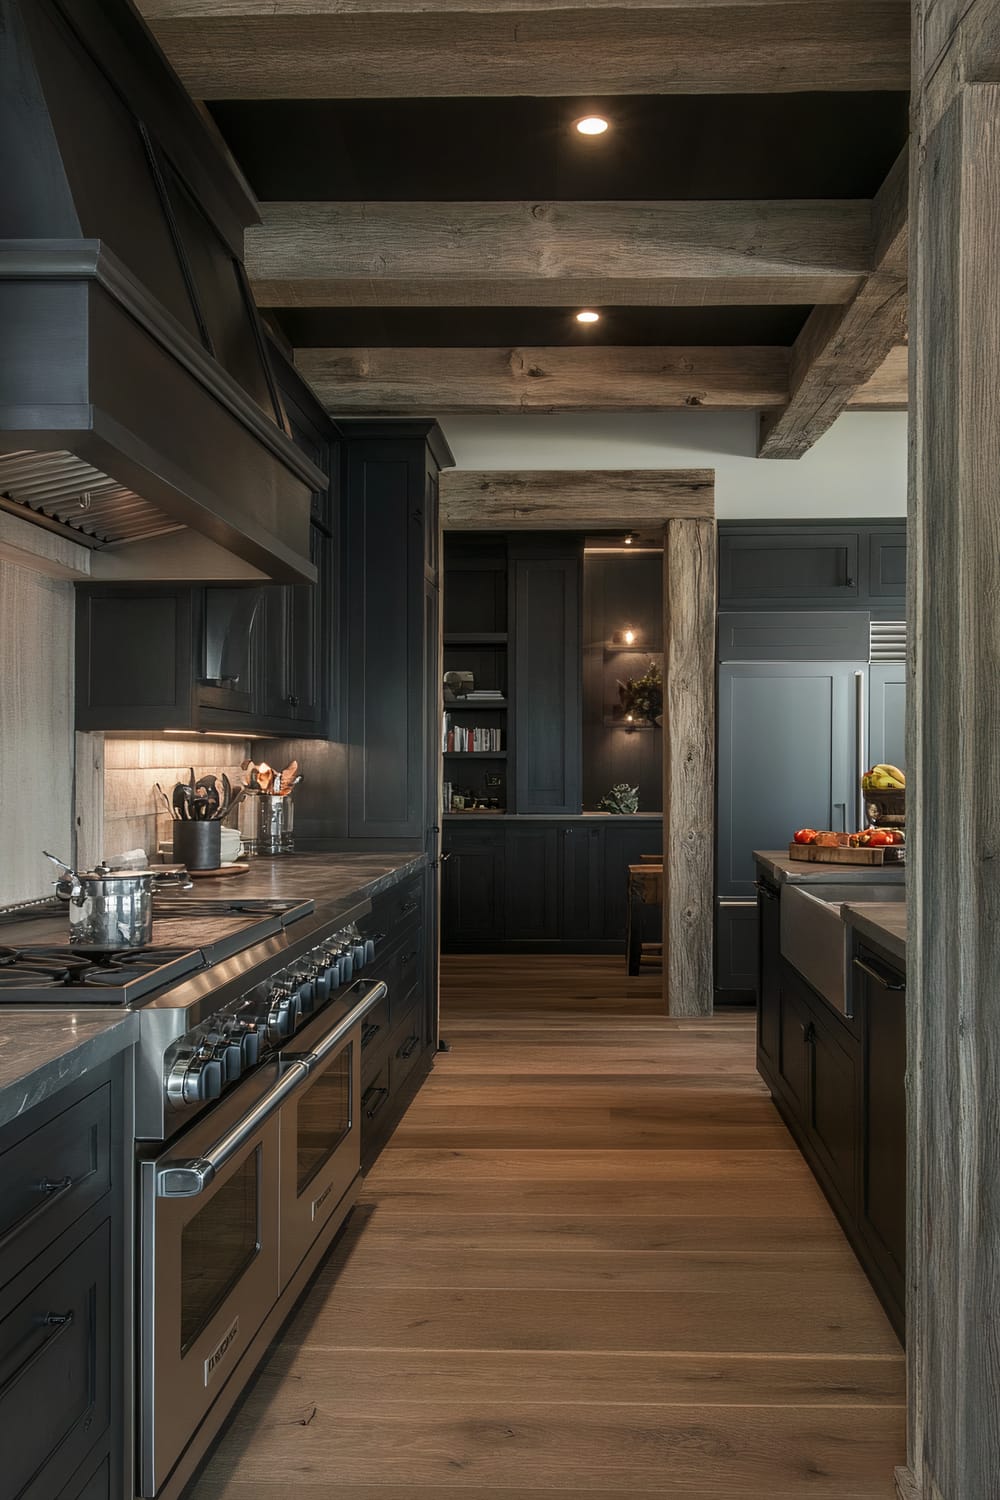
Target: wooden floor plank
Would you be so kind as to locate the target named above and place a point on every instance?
(591, 1263)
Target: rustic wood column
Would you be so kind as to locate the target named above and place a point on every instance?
(953, 970)
(689, 588)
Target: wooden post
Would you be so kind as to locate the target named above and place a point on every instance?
(953, 994)
(689, 589)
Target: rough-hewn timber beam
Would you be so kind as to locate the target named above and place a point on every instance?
(317, 50)
(444, 382)
(551, 253)
(840, 348)
(557, 499)
(888, 388)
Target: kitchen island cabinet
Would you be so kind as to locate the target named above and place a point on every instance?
(839, 1080)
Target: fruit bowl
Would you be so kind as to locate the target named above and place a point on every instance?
(886, 809)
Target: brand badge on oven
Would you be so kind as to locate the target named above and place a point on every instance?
(317, 1203)
(220, 1351)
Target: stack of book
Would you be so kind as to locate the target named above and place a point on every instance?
(484, 695)
(470, 739)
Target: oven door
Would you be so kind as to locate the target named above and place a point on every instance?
(320, 1130)
(209, 1260)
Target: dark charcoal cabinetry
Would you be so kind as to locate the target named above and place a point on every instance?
(547, 677)
(398, 1038)
(62, 1313)
(839, 1083)
(880, 1006)
(812, 564)
(393, 702)
(540, 884)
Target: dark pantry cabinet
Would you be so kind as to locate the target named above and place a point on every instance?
(546, 584)
(393, 706)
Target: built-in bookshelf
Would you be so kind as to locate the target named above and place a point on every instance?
(476, 716)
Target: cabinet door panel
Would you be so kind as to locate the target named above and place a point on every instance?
(134, 657)
(385, 556)
(472, 890)
(768, 980)
(883, 1175)
(786, 759)
(794, 1021)
(887, 564)
(582, 880)
(799, 566)
(887, 714)
(736, 947)
(547, 684)
(834, 1110)
(531, 881)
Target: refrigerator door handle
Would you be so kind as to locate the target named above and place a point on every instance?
(859, 749)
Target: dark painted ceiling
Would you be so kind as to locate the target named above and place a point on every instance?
(827, 145)
(493, 327)
(664, 146)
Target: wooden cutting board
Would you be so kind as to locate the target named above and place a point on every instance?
(827, 855)
(235, 869)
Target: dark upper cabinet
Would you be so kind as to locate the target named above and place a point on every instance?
(769, 565)
(390, 499)
(135, 656)
(547, 673)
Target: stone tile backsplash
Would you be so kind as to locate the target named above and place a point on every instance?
(134, 816)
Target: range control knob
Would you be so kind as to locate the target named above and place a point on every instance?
(369, 950)
(319, 973)
(195, 1079)
(358, 950)
(346, 956)
(283, 1013)
(227, 1051)
(245, 1036)
(304, 991)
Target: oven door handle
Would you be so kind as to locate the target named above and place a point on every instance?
(186, 1179)
(347, 1023)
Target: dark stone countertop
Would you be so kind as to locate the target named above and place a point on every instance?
(42, 1051)
(785, 871)
(882, 923)
(496, 817)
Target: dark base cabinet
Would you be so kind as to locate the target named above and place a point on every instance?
(397, 1041)
(542, 886)
(839, 1084)
(62, 1333)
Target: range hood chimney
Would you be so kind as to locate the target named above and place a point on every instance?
(136, 392)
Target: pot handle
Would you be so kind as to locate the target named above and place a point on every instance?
(180, 878)
(67, 889)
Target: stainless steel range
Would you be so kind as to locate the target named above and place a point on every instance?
(246, 1116)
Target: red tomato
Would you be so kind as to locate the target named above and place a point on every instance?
(806, 836)
(881, 838)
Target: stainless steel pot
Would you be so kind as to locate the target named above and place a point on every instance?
(111, 909)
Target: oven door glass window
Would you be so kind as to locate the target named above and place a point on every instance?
(323, 1117)
(218, 1245)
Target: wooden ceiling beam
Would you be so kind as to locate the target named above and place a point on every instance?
(543, 499)
(249, 49)
(799, 251)
(444, 382)
(888, 388)
(840, 348)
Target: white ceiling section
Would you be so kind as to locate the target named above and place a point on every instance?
(858, 468)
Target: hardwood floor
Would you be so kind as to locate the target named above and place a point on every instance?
(592, 1263)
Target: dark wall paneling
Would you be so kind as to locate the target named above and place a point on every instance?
(546, 606)
(619, 592)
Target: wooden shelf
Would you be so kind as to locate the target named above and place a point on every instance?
(476, 638)
(474, 754)
(468, 708)
(610, 650)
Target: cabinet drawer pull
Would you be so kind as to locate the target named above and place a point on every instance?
(408, 958)
(369, 1033)
(372, 1101)
(808, 1033)
(58, 1323)
(409, 1047)
(51, 1190)
(411, 906)
(767, 891)
(884, 980)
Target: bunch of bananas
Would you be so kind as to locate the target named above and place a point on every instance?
(883, 778)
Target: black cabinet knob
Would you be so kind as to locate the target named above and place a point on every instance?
(293, 701)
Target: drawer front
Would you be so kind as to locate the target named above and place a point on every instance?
(407, 976)
(400, 904)
(55, 1342)
(374, 1040)
(52, 1176)
(407, 1046)
(374, 1099)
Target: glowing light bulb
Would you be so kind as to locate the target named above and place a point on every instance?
(588, 317)
(629, 637)
(592, 125)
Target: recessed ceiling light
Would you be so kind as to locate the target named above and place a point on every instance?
(592, 125)
(588, 317)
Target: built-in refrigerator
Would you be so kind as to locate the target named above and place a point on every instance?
(805, 703)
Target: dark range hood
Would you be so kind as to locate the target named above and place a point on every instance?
(136, 392)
